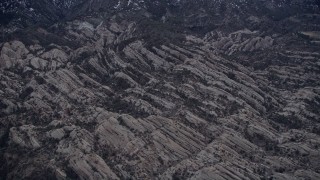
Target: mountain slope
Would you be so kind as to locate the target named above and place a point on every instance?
(161, 90)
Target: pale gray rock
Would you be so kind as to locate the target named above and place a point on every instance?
(55, 54)
(25, 136)
(11, 53)
(38, 63)
(57, 134)
(208, 94)
(91, 167)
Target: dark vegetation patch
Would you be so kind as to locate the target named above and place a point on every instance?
(291, 121)
(3, 105)
(6, 18)
(156, 33)
(26, 92)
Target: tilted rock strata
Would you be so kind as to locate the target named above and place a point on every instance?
(189, 110)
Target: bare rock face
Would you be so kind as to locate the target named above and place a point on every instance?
(55, 54)
(57, 134)
(154, 91)
(24, 136)
(243, 40)
(91, 167)
(12, 53)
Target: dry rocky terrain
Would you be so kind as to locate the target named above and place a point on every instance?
(134, 96)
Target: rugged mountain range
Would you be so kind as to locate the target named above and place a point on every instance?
(142, 89)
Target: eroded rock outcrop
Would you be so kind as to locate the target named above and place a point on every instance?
(109, 101)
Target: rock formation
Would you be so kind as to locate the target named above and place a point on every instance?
(142, 94)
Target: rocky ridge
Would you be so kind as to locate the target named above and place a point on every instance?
(97, 98)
